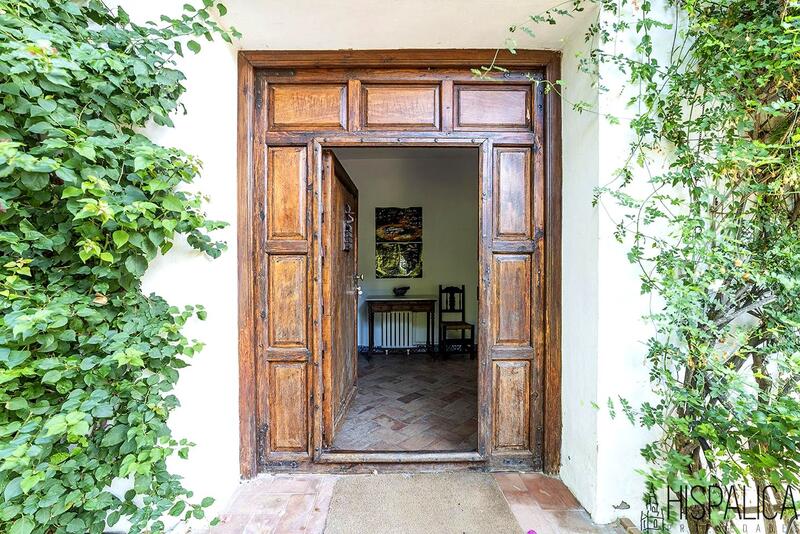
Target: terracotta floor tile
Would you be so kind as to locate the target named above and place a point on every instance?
(297, 514)
(510, 483)
(261, 524)
(292, 485)
(271, 504)
(318, 515)
(574, 522)
(529, 515)
(417, 443)
(550, 493)
(410, 397)
(234, 522)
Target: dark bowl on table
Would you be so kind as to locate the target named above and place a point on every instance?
(400, 291)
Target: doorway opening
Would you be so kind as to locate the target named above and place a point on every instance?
(400, 270)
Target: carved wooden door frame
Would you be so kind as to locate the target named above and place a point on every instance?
(542, 247)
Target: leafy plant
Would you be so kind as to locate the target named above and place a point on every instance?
(88, 362)
(716, 235)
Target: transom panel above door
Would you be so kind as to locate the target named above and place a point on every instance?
(400, 103)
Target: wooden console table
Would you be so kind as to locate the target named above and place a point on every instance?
(410, 303)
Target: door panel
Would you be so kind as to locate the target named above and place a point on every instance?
(340, 357)
(287, 407)
(286, 294)
(492, 107)
(511, 405)
(400, 106)
(512, 193)
(307, 106)
(512, 300)
(286, 198)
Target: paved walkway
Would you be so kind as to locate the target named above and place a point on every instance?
(293, 504)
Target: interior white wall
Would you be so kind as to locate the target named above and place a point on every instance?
(444, 182)
(602, 306)
(580, 283)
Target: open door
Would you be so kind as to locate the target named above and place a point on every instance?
(340, 285)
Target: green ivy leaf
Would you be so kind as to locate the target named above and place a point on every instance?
(23, 525)
(70, 192)
(13, 489)
(51, 377)
(120, 237)
(115, 436)
(17, 403)
(47, 104)
(136, 265)
(177, 509)
(86, 150)
(172, 203)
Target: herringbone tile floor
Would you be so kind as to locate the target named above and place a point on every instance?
(412, 403)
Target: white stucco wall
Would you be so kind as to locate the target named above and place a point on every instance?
(603, 332)
(580, 250)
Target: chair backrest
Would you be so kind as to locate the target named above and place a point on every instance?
(451, 300)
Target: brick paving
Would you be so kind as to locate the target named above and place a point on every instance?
(412, 402)
(292, 504)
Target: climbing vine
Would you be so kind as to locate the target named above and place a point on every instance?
(715, 118)
(87, 361)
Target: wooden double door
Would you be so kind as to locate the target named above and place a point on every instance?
(297, 344)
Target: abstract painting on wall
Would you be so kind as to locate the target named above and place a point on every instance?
(398, 242)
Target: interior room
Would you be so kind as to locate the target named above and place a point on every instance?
(417, 285)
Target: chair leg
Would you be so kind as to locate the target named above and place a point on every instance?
(472, 354)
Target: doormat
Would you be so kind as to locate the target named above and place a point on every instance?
(455, 503)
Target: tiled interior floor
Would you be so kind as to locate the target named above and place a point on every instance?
(291, 504)
(413, 402)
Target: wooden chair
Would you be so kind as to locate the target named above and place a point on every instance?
(451, 302)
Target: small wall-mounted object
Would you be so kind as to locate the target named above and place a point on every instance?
(347, 231)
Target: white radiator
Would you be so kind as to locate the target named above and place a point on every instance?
(397, 329)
